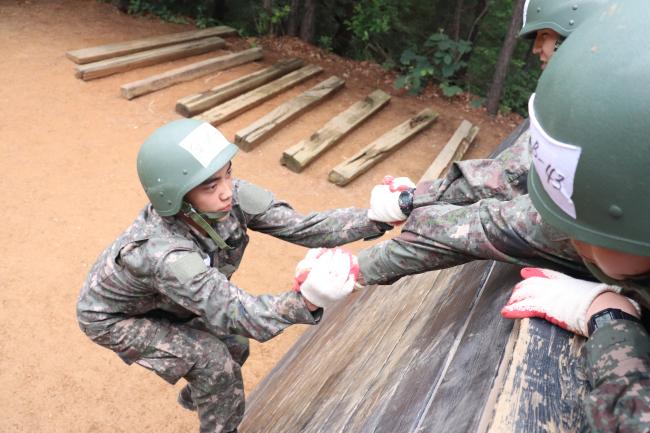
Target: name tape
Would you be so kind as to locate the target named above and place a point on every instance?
(555, 163)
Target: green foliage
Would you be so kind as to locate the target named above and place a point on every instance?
(266, 19)
(370, 21)
(325, 42)
(440, 60)
(164, 9)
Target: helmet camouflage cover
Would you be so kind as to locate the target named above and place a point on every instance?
(177, 157)
(590, 133)
(563, 16)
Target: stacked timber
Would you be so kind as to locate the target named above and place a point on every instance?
(297, 157)
(101, 52)
(189, 72)
(238, 105)
(381, 148)
(199, 102)
(250, 136)
(103, 68)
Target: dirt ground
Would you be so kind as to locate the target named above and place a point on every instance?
(69, 187)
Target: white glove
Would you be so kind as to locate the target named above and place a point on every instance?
(558, 298)
(384, 205)
(325, 276)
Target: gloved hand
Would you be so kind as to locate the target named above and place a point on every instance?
(384, 205)
(325, 275)
(556, 297)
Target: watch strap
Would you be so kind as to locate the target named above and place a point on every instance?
(608, 315)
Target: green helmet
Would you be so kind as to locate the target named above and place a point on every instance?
(563, 16)
(177, 157)
(590, 133)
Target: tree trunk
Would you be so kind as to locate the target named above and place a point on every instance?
(293, 26)
(501, 70)
(455, 22)
(307, 27)
(268, 7)
(480, 10)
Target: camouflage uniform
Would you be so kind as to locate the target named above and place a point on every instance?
(508, 228)
(160, 296)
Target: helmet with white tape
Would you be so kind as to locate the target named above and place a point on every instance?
(590, 134)
(177, 157)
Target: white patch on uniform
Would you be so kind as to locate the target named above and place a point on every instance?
(555, 163)
(204, 143)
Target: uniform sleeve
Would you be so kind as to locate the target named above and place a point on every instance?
(318, 229)
(466, 182)
(618, 365)
(441, 236)
(184, 278)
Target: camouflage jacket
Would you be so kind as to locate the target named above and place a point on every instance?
(163, 264)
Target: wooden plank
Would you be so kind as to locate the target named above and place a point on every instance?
(545, 383)
(189, 72)
(259, 130)
(101, 52)
(232, 108)
(381, 148)
(111, 66)
(298, 156)
(199, 102)
(453, 150)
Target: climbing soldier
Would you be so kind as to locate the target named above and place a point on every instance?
(160, 295)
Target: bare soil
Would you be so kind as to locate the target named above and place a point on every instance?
(69, 187)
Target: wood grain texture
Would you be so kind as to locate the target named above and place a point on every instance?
(545, 384)
(199, 102)
(381, 148)
(232, 108)
(453, 150)
(101, 52)
(114, 65)
(188, 72)
(259, 130)
(300, 155)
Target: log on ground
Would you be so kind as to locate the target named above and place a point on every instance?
(381, 148)
(259, 130)
(189, 72)
(107, 67)
(101, 52)
(300, 155)
(453, 150)
(199, 102)
(232, 108)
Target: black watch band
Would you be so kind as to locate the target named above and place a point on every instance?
(405, 201)
(606, 316)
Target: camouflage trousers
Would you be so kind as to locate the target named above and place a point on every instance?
(210, 364)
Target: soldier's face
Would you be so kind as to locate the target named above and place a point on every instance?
(545, 45)
(215, 194)
(614, 264)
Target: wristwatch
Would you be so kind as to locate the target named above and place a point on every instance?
(606, 316)
(405, 201)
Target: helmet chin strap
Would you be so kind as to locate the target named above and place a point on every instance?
(200, 219)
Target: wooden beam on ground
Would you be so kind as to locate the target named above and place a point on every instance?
(232, 108)
(250, 136)
(101, 52)
(107, 67)
(300, 155)
(379, 149)
(189, 72)
(199, 102)
(453, 150)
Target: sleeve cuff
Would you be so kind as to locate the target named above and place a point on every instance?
(622, 342)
